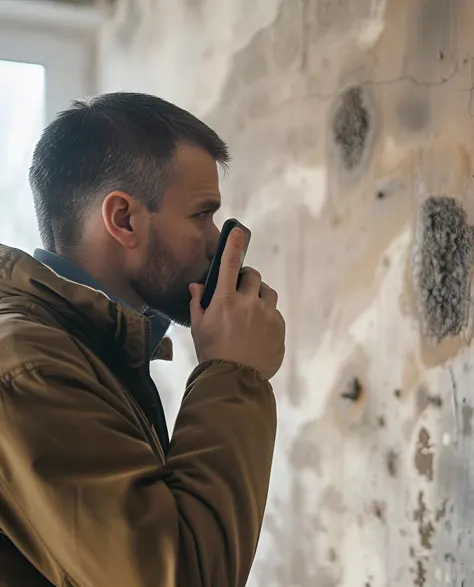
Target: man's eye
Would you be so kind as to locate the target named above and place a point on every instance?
(203, 215)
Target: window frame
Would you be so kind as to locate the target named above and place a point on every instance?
(62, 38)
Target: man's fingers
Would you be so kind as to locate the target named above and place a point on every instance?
(195, 306)
(269, 296)
(250, 282)
(230, 263)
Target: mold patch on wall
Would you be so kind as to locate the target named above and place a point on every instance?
(424, 455)
(426, 529)
(350, 128)
(442, 266)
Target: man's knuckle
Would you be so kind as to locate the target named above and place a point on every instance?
(255, 275)
(234, 261)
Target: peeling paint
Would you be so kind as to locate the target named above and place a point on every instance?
(424, 455)
(426, 529)
(420, 574)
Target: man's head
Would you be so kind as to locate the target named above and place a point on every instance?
(126, 186)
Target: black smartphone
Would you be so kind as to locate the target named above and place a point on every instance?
(213, 275)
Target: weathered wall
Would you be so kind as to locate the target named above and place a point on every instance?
(344, 118)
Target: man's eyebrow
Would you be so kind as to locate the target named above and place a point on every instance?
(209, 203)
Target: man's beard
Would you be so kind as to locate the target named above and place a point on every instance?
(163, 285)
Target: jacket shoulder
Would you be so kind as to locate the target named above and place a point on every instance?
(28, 342)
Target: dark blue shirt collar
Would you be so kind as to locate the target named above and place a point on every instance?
(159, 324)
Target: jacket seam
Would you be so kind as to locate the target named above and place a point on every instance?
(7, 378)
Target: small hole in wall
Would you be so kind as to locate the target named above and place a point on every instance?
(354, 390)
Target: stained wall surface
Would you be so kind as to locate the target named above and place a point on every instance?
(350, 123)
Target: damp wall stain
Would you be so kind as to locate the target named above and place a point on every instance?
(276, 81)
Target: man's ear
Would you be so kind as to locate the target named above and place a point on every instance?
(122, 215)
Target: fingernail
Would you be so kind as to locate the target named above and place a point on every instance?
(238, 236)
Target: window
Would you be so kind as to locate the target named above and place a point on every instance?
(21, 121)
(47, 59)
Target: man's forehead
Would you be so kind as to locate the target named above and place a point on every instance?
(196, 177)
(192, 162)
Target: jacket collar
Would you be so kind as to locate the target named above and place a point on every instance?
(82, 300)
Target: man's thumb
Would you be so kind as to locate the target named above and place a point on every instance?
(196, 291)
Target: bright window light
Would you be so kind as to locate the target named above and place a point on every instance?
(22, 118)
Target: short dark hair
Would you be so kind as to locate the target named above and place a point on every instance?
(121, 141)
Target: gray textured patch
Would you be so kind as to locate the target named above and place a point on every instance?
(351, 126)
(443, 261)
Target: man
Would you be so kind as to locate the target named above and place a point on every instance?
(92, 493)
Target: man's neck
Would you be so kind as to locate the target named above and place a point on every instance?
(67, 269)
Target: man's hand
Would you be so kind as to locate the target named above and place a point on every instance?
(240, 325)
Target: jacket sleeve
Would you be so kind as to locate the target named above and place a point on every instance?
(77, 472)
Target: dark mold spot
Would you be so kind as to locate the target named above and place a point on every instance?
(467, 413)
(392, 463)
(424, 455)
(435, 401)
(443, 262)
(381, 195)
(354, 391)
(441, 512)
(351, 126)
(425, 527)
(397, 393)
(420, 574)
(379, 510)
(449, 557)
(382, 422)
